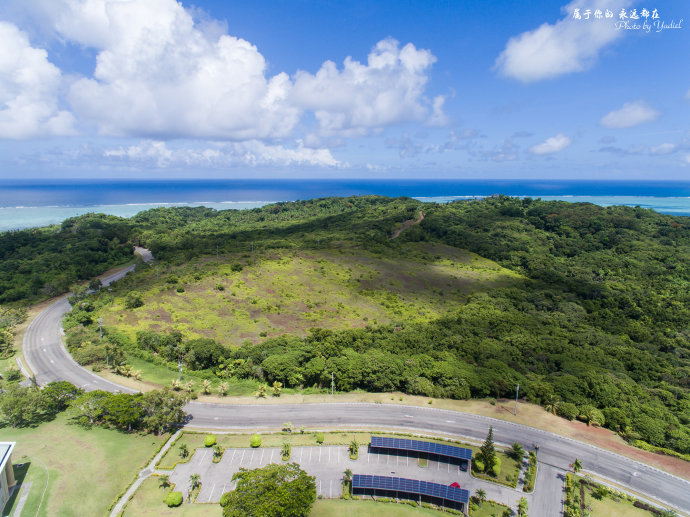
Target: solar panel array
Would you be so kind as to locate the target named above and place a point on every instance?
(411, 486)
(404, 444)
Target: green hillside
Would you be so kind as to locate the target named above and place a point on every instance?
(588, 308)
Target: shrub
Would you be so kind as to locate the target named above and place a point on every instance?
(210, 440)
(225, 499)
(320, 438)
(255, 441)
(133, 300)
(496, 469)
(180, 289)
(568, 410)
(478, 465)
(220, 287)
(173, 499)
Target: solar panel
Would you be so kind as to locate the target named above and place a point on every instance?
(405, 444)
(411, 486)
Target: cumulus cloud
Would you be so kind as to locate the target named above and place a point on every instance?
(29, 86)
(551, 145)
(251, 152)
(162, 73)
(630, 115)
(388, 90)
(567, 46)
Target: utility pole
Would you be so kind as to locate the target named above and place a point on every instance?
(332, 384)
(252, 246)
(517, 391)
(100, 327)
(179, 365)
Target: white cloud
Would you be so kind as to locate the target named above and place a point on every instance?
(551, 145)
(630, 115)
(252, 153)
(567, 46)
(29, 86)
(161, 74)
(665, 148)
(388, 90)
(438, 117)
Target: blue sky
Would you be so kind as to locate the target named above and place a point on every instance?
(446, 89)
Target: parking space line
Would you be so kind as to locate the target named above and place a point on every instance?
(242, 459)
(233, 456)
(262, 456)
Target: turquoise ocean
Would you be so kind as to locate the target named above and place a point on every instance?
(26, 204)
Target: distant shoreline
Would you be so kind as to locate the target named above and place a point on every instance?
(24, 217)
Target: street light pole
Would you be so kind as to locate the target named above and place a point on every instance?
(517, 391)
(100, 327)
(179, 365)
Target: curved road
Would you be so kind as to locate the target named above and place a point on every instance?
(49, 361)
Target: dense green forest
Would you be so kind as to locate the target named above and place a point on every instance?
(597, 328)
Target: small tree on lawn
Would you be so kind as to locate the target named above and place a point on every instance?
(480, 495)
(184, 451)
(277, 388)
(576, 466)
(223, 389)
(487, 452)
(517, 451)
(164, 482)
(261, 392)
(206, 386)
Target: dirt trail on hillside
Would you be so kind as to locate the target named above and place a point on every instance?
(406, 225)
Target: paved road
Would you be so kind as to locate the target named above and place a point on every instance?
(48, 359)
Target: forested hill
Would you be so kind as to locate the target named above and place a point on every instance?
(599, 330)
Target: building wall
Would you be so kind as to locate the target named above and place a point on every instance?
(6, 482)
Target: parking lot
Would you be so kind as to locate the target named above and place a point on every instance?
(326, 464)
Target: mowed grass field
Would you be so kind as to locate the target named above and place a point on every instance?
(75, 471)
(288, 291)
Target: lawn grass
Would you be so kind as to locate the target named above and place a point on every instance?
(489, 509)
(147, 501)
(510, 469)
(339, 508)
(608, 507)
(75, 462)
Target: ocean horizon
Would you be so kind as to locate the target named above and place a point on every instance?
(27, 204)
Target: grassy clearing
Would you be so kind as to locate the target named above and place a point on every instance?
(148, 502)
(75, 461)
(609, 507)
(291, 291)
(338, 508)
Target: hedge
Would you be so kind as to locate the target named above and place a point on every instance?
(173, 499)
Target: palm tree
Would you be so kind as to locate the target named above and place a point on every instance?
(576, 466)
(184, 451)
(286, 450)
(517, 451)
(164, 482)
(552, 404)
(354, 447)
(347, 475)
(194, 482)
(190, 386)
(480, 495)
(206, 386)
(223, 388)
(217, 451)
